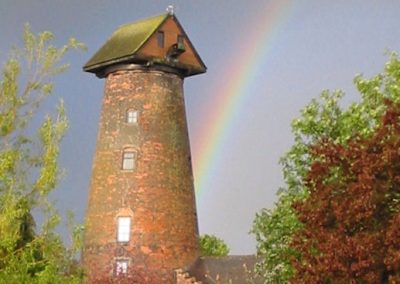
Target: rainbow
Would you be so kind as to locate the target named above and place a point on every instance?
(239, 75)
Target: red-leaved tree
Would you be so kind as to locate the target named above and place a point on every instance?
(351, 218)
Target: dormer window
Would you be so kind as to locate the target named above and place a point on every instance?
(128, 160)
(160, 39)
(132, 116)
(180, 40)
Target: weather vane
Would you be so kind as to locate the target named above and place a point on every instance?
(170, 9)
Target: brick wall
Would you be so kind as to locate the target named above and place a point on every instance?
(158, 194)
(182, 277)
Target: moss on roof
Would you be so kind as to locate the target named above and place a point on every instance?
(125, 41)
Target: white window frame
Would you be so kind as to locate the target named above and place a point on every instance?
(123, 229)
(121, 267)
(132, 116)
(128, 160)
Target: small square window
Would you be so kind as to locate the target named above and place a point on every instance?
(128, 161)
(180, 39)
(131, 116)
(124, 229)
(121, 267)
(160, 39)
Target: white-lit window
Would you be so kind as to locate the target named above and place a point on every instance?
(131, 116)
(124, 229)
(128, 160)
(121, 267)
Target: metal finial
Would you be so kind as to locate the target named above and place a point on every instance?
(170, 9)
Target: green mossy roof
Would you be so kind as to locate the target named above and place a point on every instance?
(125, 41)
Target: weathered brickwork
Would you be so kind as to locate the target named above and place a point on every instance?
(182, 277)
(158, 194)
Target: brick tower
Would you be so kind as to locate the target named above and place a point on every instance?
(141, 221)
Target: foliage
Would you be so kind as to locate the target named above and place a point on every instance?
(212, 246)
(350, 232)
(320, 119)
(274, 230)
(29, 171)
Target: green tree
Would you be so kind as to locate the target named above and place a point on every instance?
(29, 171)
(212, 246)
(325, 118)
(350, 229)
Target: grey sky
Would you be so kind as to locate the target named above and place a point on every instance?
(319, 45)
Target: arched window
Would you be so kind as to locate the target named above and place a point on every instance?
(123, 229)
(132, 116)
(128, 160)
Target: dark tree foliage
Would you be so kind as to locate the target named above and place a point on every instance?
(351, 218)
(327, 118)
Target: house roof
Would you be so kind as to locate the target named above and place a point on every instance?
(125, 43)
(236, 269)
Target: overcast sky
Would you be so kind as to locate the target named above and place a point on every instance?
(293, 50)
